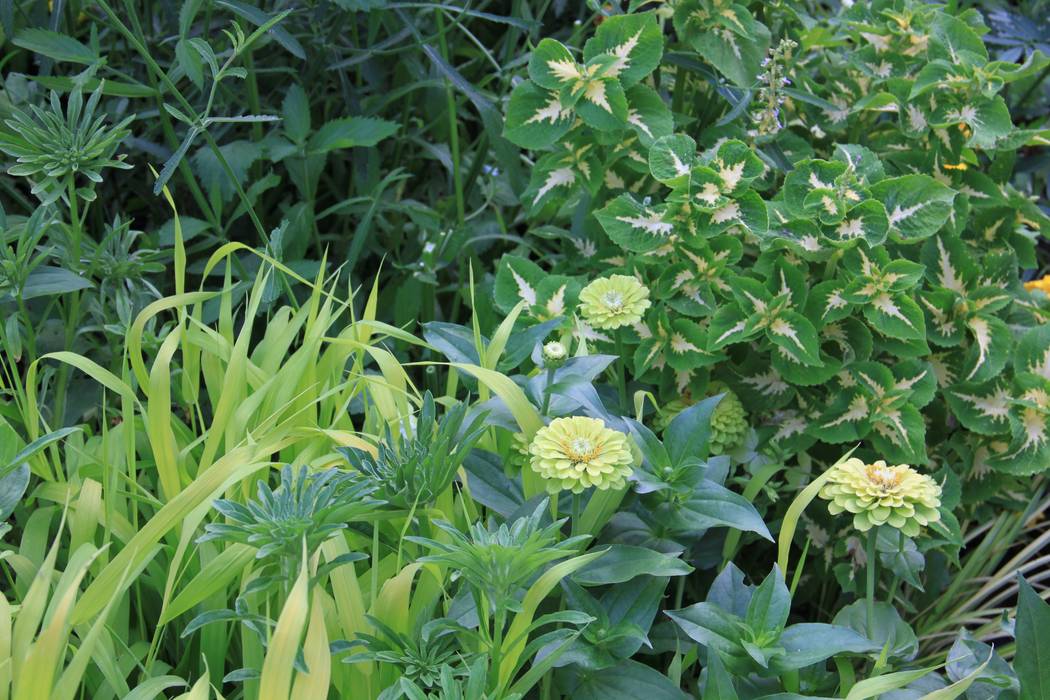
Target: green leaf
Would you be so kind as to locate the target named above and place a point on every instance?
(796, 337)
(711, 505)
(890, 632)
(1032, 630)
(808, 643)
(552, 66)
(636, 42)
(671, 159)
(770, 604)
(48, 280)
(732, 40)
(637, 227)
(190, 62)
(627, 680)
(647, 114)
(261, 19)
(58, 47)
(295, 111)
(623, 562)
(536, 118)
(602, 104)
(896, 316)
(350, 132)
(916, 205)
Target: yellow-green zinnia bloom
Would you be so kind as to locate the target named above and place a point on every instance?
(877, 494)
(576, 453)
(611, 302)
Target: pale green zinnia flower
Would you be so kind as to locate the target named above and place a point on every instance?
(576, 453)
(611, 302)
(877, 494)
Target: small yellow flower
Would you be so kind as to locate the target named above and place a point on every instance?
(877, 494)
(1043, 285)
(576, 453)
(611, 302)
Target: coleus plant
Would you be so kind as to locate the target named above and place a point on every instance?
(851, 271)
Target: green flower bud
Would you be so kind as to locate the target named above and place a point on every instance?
(554, 355)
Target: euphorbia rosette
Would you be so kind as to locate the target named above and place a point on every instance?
(611, 302)
(577, 452)
(878, 494)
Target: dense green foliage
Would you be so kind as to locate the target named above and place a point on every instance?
(524, 350)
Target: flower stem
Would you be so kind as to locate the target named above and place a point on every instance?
(576, 502)
(621, 382)
(872, 536)
(547, 390)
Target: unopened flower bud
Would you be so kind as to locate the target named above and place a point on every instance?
(554, 355)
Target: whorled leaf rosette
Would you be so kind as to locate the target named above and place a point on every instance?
(878, 494)
(577, 452)
(611, 302)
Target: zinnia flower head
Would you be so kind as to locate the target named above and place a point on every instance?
(611, 302)
(877, 494)
(577, 452)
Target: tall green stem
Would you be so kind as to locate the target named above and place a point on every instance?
(621, 382)
(872, 536)
(547, 390)
(73, 310)
(577, 499)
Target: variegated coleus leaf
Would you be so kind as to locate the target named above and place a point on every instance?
(758, 310)
(546, 296)
(841, 343)
(671, 159)
(784, 276)
(955, 41)
(988, 349)
(647, 114)
(536, 118)
(746, 211)
(866, 221)
(553, 67)
(881, 289)
(984, 121)
(809, 176)
(827, 302)
(634, 40)
(1032, 354)
(873, 403)
(517, 280)
(686, 346)
(693, 285)
(592, 89)
(759, 386)
(1029, 449)
(917, 205)
(866, 166)
(601, 102)
(557, 177)
(725, 35)
(982, 407)
(637, 226)
(736, 164)
(800, 237)
(949, 264)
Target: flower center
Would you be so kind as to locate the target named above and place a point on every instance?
(581, 450)
(883, 476)
(613, 300)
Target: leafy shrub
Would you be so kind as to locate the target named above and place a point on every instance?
(845, 255)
